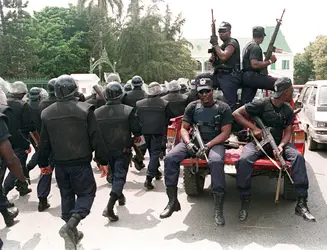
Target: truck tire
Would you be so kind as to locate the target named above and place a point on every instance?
(289, 189)
(312, 145)
(193, 183)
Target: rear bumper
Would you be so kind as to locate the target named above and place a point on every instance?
(320, 138)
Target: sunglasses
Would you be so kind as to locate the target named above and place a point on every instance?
(204, 91)
(222, 31)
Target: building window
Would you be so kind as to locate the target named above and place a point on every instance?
(207, 66)
(273, 66)
(285, 64)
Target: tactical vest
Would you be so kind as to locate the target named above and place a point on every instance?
(152, 115)
(134, 96)
(113, 121)
(208, 120)
(47, 102)
(277, 121)
(66, 123)
(177, 103)
(18, 138)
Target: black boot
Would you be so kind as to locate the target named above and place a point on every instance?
(122, 200)
(10, 204)
(78, 236)
(218, 200)
(158, 175)
(43, 204)
(148, 183)
(243, 213)
(68, 231)
(138, 165)
(302, 209)
(109, 209)
(173, 203)
(9, 214)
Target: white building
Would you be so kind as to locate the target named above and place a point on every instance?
(283, 67)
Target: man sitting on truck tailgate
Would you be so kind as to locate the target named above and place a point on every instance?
(214, 119)
(276, 113)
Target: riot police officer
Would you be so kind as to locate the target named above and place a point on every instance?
(130, 99)
(255, 73)
(13, 164)
(214, 119)
(70, 132)
(275, 112)
(227, 74)
(117, 122)
(44, 184)
(183, 89)
(22, 124)
(153, 113)
(128, 87)
(96, 101)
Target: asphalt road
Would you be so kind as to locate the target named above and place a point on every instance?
(269, 226)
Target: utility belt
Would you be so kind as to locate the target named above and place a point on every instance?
(227, 71)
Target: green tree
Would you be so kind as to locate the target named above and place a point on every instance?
(303, 67)
(319, 56)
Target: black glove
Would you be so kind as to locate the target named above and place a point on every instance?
(214, 40)
(21, 185)
(191, 148)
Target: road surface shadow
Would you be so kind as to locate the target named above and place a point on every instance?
(134, 221)
(16, 245)
(268, 223)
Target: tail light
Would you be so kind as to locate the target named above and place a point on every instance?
(171, 136)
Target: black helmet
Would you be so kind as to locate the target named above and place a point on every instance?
(34, 93)
(128, 87)
(51, 85)
(114, 91)
(65, 87)
(137, 81)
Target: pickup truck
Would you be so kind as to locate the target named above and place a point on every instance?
(195, 171)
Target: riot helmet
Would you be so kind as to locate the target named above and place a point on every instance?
(65, 87)
(18, 88)
(192, 84)
(137, 81)
(114, 91)
(51, 86)
(43, 94)
(4, 86)
(128, 87)
(34, 94)
(173, 86)
(154, 89)
(3, 98)
(113, 77)
(183, 87)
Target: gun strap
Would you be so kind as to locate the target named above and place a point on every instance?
(271, 159)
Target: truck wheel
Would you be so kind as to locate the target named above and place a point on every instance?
(312, 145)
(289, 190)
(193, 183)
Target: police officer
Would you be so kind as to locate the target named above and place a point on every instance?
(130, 99)
(164, 90)
(70, 132)
(227, 75)
(191, 95)
(22, 124)
(214, 119)
(113, 77)
(13, 163)
(255, 73)
(153, 113)
(96, 101)
(44, 184)
(275, 112)
(117, 122)
(183, 89)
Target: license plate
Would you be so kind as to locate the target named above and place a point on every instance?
(230, 169)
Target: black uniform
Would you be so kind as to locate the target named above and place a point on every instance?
(133, 96)
(254, 79)
(70, 132)
(22, 124)
(192, 96)
(176, 102)
(227, 75)
(153, 113)
(96, 102)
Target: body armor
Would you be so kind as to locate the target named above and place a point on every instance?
(134, 96)
(177, 103)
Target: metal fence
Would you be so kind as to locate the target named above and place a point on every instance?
(30, 83)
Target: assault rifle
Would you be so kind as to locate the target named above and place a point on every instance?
(271, 47)
(197, 136)
(213, 33)
(268, 138)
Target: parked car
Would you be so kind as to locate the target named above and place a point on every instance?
(313, 116)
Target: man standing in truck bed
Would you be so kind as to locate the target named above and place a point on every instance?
(277, 114)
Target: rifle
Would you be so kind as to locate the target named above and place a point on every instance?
(213, 33)
(197, 136)
(268, 138)
(271, 47)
